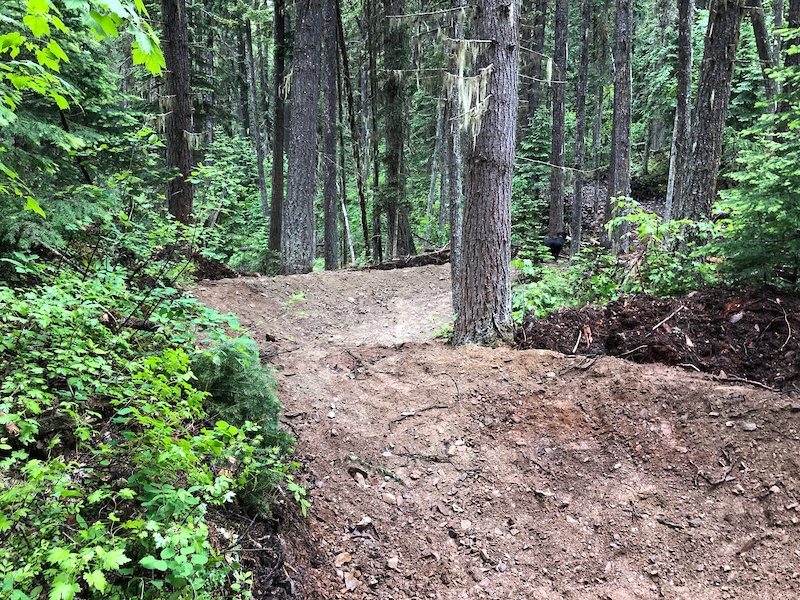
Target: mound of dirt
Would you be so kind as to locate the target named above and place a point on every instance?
(450, 473)
(748, 333)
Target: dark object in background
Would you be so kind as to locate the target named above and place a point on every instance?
(556, 244)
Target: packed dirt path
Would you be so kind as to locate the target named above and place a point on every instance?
(449, 473)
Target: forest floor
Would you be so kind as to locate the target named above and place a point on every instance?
(448, 473)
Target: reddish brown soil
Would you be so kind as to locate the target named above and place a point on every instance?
(449, 473)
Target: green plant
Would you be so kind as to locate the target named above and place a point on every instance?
(110, 457)
(538, 290)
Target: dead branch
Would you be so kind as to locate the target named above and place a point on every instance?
(674, 312)
(439, 257)
(412, 413)
(749, 381)
(663, 521)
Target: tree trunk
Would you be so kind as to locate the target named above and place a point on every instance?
(454, 185)
(278, 131)
(394, 58)
(262, 70)
(699, 182)
(600, 40)
(681, 132)
(372, 80)
(537, 45)
(179, 106)
(764, 47)
(331, 117)
(793, 23)
(241, 77)
(619, 178)
(436, 169)
(297, 241)
(580, 129)
(484, 308)
(556, 221)
(256, 121)
(354, 133)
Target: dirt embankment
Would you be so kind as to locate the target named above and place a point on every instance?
(440, 472)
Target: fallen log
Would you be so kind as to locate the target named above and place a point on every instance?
(439, 257)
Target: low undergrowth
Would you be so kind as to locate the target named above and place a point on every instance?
(126, 414)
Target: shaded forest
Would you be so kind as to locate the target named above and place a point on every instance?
(144, 145)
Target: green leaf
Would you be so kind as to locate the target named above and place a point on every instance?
(38, 25)
(114, 559)
(56, 50)
(63, 588)
(151, 562)
(11, 40)
(96, 580)
(38, 7)
(108, 23)
(58, 555)
(34, 206)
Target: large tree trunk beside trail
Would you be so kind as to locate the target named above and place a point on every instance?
(484, 309)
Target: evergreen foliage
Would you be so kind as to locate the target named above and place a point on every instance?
(760, 231)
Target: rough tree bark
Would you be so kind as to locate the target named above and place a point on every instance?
(354, 133)
(179, 106)
(537, 45)
(681, 131)
(371, 17)
(394, 192)
(331, 116)
(297, 239)
(453, 168)
(278, 129)
(256, 121)
(699, 178)
(556, 221)
(764, 47)
(580, 129)
(484, 308)
(619, 177)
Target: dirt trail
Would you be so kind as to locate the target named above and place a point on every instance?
(449, 473)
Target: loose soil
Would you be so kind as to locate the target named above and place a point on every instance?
(449, 473)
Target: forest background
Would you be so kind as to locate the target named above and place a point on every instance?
(139, 139)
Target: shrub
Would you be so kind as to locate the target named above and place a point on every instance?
(110, 460)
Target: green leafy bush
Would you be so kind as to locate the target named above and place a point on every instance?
(109, 456)
(759, 238)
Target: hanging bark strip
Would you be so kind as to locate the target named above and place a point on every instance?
(681, 131)
(619, 177)
(351, 117)
(453, 160)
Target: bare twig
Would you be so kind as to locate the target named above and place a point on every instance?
(412, 413)
(750, 381)
(577, 342)
(455, 383)
(663, 521)
(632, 351)
(786, 318)
(674, 312)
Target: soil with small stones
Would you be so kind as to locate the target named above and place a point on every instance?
(449, 473)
